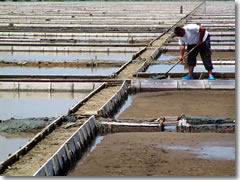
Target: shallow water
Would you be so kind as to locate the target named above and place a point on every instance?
(44, 56)
(165, 57)
(170, 128)
(36, 104)
(97, 141)
(10, 145)
(125, 105)
(223, 42)
(56, 71)
(162, 68)
(88, 43)
(207, 151)
(217, 152)
(215, 56)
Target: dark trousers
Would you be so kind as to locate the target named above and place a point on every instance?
(205, 51)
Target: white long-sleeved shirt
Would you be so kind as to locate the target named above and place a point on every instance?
(192, 35)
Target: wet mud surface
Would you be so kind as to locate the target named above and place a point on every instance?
(152, 105)
(24, 125)
(150, 154)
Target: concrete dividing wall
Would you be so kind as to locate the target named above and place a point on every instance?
(108, 109)
(69, 49)
(9, 86)
(37, 35)
(155, 85)
(65, 156)
(156, 53)
(213, 48)
(206, 124)
(197, 75)
(116, 127)
(49, 86)
(142, 68)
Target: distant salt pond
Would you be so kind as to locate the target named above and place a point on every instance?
(57, 71)
(65, 56)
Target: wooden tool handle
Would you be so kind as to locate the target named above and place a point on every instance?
(173, 66)
(180, 60)
(190, 51)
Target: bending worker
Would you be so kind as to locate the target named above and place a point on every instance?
(192, 35)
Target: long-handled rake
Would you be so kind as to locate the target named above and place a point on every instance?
(166, 74)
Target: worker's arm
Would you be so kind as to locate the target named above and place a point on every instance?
(182, 49)
(202, 32)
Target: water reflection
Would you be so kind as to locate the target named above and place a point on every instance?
(207, 151)
(126, 104)
(36, 104)
(165, 57)
(10, 145)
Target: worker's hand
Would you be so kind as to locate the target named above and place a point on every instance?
(180, 58)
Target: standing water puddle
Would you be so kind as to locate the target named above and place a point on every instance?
(97, 141)
(207, 151)
(126, 104)
(170, 128)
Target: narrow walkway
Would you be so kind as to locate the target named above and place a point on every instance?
(96, 102)
(31, 162)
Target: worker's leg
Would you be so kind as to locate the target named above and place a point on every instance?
(205, 52)
(190, 70)
(192, 59)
